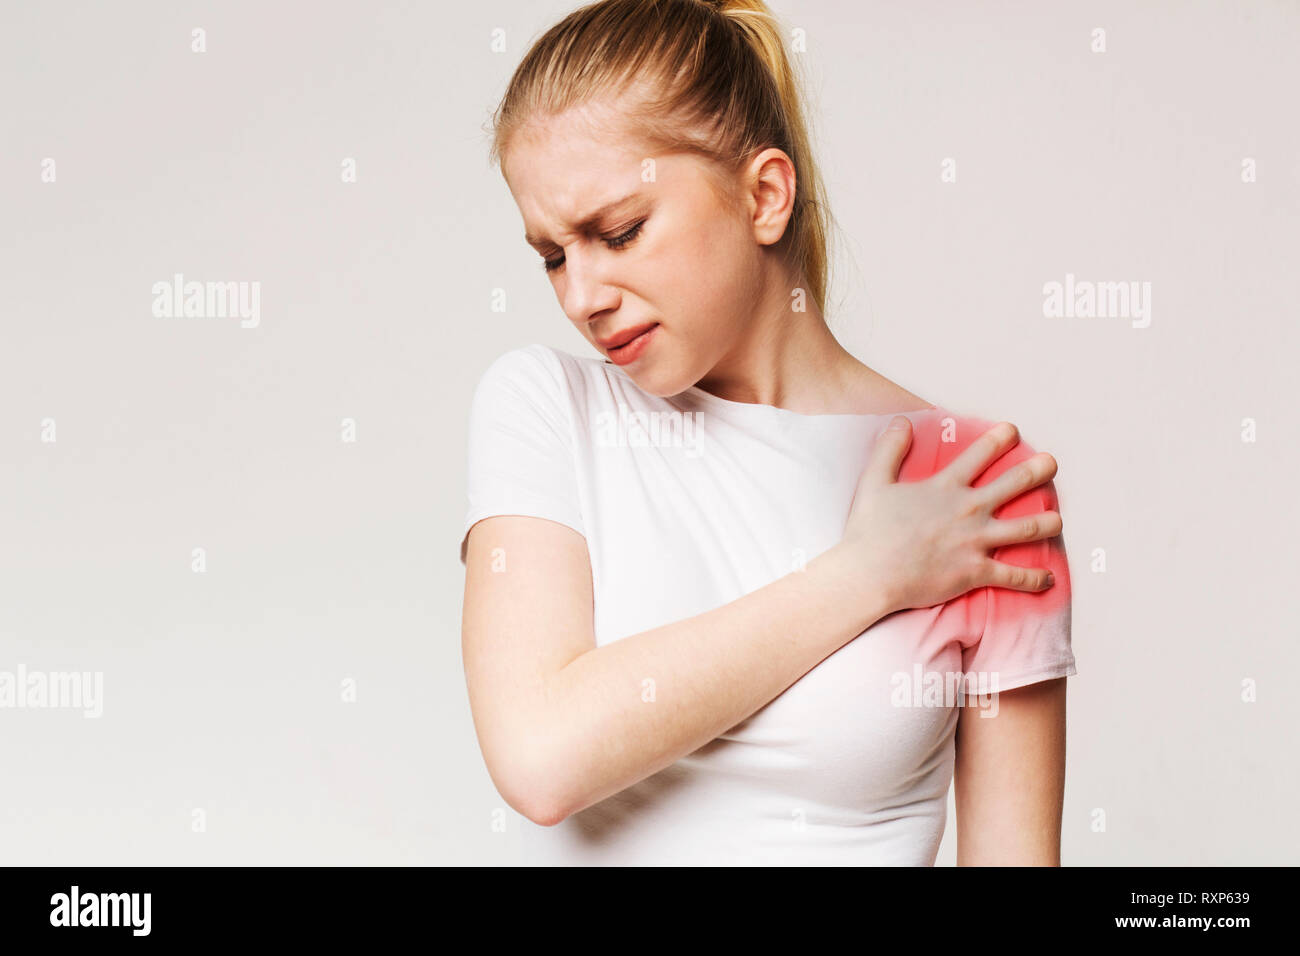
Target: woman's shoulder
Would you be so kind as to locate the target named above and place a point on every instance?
(885, 396)
(539, 357)
(950, 430)
(944, 433)
(548, 378)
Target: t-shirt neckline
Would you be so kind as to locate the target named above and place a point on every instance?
(710, 398)
(763, 409)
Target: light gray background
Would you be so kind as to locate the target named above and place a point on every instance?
(329, 560)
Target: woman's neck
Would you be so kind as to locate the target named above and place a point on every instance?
(792, 360)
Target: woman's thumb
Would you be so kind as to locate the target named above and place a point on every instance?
(890, 450)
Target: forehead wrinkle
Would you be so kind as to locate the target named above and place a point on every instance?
(588, 221)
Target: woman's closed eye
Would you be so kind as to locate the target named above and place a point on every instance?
(617, 242)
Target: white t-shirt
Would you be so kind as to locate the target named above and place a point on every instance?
(690, 502)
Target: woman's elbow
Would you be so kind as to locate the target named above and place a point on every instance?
(529, 786)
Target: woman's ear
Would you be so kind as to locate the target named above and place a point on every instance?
(770, 189)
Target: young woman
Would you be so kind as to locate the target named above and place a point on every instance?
(716, 597)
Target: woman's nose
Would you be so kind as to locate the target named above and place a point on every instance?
(587, 291)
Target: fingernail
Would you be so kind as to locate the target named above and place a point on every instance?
(899, 422)
(1050, 579)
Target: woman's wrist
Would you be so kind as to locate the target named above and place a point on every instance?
(870, 595)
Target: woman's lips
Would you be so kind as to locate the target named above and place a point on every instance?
(626, 354)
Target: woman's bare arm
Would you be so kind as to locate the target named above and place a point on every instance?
(1010, 778)
(564, 724)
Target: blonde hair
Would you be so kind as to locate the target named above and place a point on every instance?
(711, 78)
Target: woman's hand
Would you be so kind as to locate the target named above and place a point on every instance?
(926, 542)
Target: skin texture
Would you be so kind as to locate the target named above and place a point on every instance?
(559, 720)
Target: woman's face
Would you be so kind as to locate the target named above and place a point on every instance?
(664, 249)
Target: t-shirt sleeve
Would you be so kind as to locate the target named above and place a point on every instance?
(1026, 635)
(520, 444)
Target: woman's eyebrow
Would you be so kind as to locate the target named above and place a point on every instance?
(587, 222)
